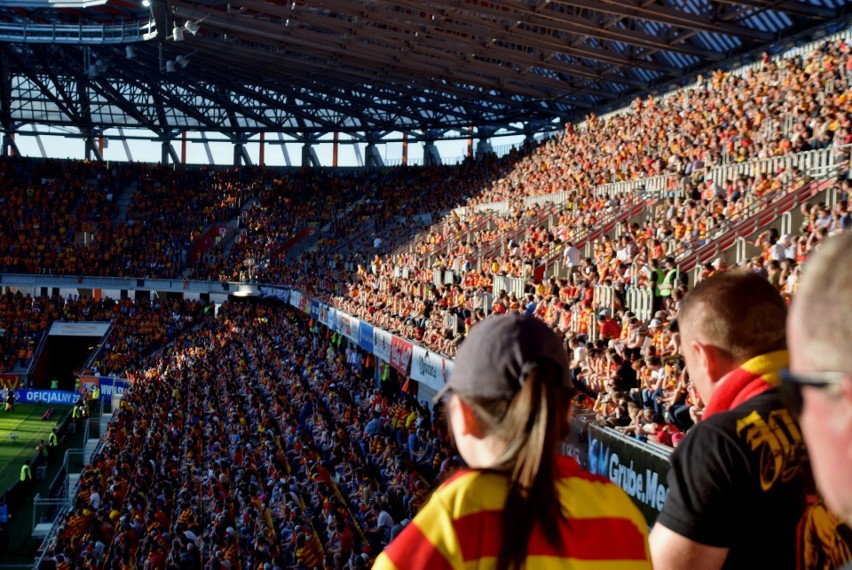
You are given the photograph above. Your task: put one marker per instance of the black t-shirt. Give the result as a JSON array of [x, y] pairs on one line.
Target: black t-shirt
[[625, 377], [740, 479]]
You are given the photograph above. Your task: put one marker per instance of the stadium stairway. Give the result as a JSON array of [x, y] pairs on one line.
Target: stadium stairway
[[89, 450], [585, 238], [311, 242], [497, 247], [21, 545], [760, 215], [124, 199]]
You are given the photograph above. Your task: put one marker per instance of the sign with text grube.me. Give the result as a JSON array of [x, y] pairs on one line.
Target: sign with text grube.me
[[430, 368], [634, 466]]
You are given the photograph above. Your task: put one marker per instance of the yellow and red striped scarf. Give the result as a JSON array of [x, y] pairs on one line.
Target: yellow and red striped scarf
[[751, 378]]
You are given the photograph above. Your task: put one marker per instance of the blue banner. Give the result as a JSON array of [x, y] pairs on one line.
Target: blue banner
[[365, 336], [315, 309], [106, 384], [52, 397], [282, 295], [110, 386]]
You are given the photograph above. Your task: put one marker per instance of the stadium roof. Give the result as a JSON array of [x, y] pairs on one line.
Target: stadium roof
[[366, 67]]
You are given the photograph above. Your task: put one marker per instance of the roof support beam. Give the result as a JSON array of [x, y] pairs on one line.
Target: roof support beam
[[5, 108], [793, 8], [669, 16], [86, 127], [62, 103]]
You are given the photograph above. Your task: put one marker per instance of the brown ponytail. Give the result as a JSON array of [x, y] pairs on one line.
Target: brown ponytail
[[532, 423]]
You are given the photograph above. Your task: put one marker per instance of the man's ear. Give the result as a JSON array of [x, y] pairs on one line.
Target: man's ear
[[714, 361]]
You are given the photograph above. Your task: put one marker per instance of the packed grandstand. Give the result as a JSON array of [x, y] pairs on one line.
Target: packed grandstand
[[257, 437]]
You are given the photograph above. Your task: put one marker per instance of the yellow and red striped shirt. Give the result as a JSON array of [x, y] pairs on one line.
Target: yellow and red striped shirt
[[460, 526]]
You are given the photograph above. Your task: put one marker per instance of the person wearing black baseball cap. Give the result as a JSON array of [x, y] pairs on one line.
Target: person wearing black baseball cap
[[517, 503]]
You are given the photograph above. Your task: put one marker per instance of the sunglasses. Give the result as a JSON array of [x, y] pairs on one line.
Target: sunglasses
[[792, 384]]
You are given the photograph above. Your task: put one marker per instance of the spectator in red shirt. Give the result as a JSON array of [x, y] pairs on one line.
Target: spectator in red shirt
[[608, 327]]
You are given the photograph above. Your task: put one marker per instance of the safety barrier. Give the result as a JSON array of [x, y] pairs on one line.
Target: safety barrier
[[45, 512], [604, 298], [511, 285], [640, 301], [812, 163], [656, 186], [639, 468], [77, 34]]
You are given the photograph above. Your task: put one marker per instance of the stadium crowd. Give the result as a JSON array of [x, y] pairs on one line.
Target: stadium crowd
[[726, 118], [137, 326], [70, 217], [265, 437], [285, 453]]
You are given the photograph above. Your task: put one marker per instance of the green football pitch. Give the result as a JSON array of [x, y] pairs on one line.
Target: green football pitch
[[20, 432]]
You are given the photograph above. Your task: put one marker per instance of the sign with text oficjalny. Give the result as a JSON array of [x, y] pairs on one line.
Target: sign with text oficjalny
[[51, 397]]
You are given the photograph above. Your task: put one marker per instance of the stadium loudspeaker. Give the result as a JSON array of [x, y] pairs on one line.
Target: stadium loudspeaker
[[191, 27]]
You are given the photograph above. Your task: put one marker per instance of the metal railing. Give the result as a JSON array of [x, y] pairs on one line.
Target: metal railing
[[812, 162], [656, 186], [603, 227], [604, 298], [640, 300], [73, 462], [524, 225], [92, 34], [511, 285], [760, 214]]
